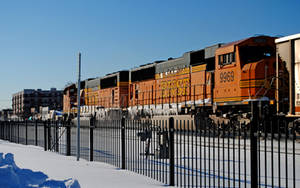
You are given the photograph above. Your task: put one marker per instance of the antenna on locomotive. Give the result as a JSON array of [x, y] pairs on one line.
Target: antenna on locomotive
[[78, 107]]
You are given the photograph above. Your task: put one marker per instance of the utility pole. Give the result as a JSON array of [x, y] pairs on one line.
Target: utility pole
[[78, 107]]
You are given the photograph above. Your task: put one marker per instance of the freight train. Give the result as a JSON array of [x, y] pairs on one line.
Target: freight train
[[221, 79]]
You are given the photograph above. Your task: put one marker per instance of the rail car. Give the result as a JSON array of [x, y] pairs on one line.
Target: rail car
[[166, 87], [110, 91], [106, 96], [91, 95], [142, 89], [288, 75], [69, 97]]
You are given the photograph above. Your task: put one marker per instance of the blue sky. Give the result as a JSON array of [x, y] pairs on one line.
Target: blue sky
[[40, 40]]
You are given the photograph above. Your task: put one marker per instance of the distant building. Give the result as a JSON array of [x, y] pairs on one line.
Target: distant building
[[28, 102], [6, 114]]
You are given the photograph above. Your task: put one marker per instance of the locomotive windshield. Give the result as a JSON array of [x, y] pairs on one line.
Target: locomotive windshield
[[255, 53]]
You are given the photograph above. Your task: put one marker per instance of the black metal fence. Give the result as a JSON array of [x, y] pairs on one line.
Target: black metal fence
[[176, 151]]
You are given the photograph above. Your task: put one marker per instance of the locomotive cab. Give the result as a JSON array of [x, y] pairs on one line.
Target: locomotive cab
[[245, 71], [258, 65]]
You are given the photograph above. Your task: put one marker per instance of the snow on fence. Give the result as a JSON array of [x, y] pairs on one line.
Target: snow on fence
[[184, 153]]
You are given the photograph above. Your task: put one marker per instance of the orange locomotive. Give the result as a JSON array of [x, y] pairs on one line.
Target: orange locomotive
[[245, 71], [70, 97], [221, 78], [110, 91]]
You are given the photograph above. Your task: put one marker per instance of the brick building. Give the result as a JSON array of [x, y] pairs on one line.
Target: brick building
[[29, 101]]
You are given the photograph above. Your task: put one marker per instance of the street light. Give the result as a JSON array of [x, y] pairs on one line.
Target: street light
[[78, 107]]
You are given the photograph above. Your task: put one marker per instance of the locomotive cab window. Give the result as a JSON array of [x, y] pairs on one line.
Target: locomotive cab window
[[250, 54], [226, 59]]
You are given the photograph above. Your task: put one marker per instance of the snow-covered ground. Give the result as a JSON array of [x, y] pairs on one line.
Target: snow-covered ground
[[14, 177], [62, 168], [197, 162]]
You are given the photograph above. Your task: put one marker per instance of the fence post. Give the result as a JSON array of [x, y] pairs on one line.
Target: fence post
[[26, 132], [18, 131], [56, 136], [36, 132], [253, 144], [171, 152], [1, 128], [45, 135], [6, 130], [92, 124], [1, 124], [123, 141], [3, 133], [10, 131], [68, 153], [49, 134]]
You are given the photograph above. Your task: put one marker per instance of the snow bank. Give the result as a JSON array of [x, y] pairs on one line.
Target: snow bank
[[14, 177], [88, 174]]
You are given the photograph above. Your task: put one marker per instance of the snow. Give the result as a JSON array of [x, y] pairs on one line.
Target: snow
[[13, 177], [48, 169], [197, 161]]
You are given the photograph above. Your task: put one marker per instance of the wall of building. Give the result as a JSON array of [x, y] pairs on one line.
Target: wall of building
[[29, 101]]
